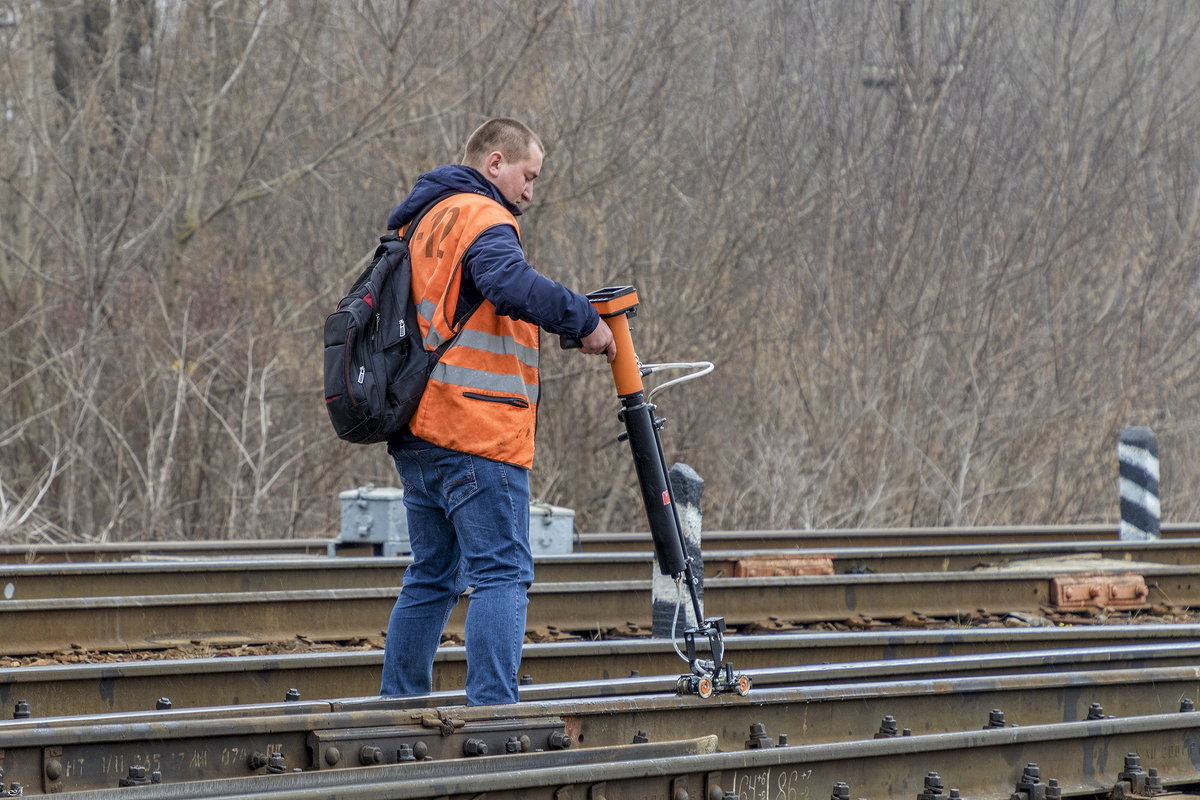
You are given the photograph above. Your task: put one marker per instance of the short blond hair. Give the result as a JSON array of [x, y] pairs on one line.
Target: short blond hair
[[511, 138]]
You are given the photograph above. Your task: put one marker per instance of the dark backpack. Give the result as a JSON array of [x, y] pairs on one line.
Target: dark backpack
[[376, 364]]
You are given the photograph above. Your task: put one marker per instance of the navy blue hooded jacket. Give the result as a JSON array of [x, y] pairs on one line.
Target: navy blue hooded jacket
[[494, 267]]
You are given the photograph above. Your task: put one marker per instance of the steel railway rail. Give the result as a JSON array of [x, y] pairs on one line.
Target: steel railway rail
[[1121, 758], [203, 575], [602, 542], [87, 552], [73, 689], [158, 621], [882, 537], [810, 705]]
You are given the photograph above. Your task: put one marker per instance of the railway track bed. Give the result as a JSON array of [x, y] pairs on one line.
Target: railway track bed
[[990, 663], [72, 689], [619, 607], [793, 709]]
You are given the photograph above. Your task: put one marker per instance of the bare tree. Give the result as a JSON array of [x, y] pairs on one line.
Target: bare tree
[[940, 252]]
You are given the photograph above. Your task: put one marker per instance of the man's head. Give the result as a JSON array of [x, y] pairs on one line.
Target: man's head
[[509, 155]]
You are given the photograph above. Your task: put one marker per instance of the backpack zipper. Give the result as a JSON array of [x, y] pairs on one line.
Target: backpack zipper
[[347, 353]]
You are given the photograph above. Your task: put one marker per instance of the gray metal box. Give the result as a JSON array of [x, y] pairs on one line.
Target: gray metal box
[[377, 516], [551, 529]]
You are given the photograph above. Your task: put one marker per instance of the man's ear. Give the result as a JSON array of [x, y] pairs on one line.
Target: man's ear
[[491, 166]]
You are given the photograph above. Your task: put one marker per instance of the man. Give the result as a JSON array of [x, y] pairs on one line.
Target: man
[[466, 457]]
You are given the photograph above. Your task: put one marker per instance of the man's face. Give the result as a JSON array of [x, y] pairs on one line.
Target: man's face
[[515, 179]]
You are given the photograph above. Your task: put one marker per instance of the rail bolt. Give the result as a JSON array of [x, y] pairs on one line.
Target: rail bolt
[[404, 754], [276, 763], [783, 740], [292, 696], [370, 755], [136, 777], [162, 704], [526, 680], [841, 791], [1031, 785], [558, 741], [1187, 704], [995, 719], [1095, 711], [887, 728], [333, 755], [256, 761], [758, 737], [420, 751], [512, 745], [1153, 782], [22, 710], [1133, 774], [934, 787], [641, 737], [1053, 790], [15, 789], [475, 747]]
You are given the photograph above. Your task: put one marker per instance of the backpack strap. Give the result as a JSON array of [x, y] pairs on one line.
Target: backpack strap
[[409, 231], [412, 225]]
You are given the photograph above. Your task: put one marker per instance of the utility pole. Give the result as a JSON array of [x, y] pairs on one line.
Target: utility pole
[[902, 77]]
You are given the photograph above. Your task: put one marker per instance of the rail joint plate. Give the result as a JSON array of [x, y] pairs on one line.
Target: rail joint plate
[[1125, 590]]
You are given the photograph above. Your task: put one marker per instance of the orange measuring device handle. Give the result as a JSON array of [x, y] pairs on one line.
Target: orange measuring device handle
[[616, 304]]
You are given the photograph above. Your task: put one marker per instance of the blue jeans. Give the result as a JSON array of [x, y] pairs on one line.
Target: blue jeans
[[468, 525]]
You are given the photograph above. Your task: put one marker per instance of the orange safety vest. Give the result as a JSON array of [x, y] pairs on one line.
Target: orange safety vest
[[482, 395]]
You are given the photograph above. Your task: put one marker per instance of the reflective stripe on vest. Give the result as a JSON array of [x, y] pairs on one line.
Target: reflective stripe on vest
[[487, 342], [426, 310], [468, 378]]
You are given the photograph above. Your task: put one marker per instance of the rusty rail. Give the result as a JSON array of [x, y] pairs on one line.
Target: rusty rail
[[882, 537], [156, 621], [1119, 758], [84, 552], [65, 690], [87, 552], [217, 575], [94, 753]]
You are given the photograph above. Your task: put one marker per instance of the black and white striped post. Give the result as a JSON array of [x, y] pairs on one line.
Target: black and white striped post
[[1137, 453], [686, 487]]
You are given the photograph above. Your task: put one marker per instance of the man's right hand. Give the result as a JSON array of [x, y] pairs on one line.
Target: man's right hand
[[600, 341]]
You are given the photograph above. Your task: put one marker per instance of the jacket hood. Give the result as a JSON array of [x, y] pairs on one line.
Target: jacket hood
[[448, 179]]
